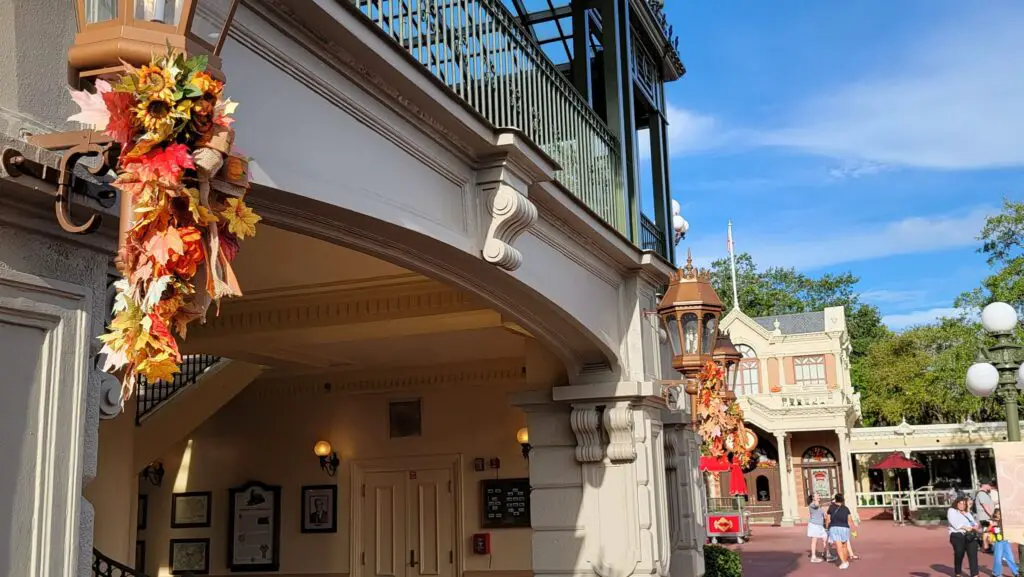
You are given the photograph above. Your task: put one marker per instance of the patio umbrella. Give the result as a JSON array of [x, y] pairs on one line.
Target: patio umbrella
[[897, 461]]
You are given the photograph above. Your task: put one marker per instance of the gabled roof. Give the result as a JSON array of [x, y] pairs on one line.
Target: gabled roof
[[795, 324]]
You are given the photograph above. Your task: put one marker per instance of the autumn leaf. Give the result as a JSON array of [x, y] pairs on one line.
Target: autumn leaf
[[240, 218], [159, 367], [201, 214], [156, 292], [161, 245]]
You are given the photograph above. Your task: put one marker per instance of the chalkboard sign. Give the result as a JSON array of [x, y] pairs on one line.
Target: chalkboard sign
[[506, 503]]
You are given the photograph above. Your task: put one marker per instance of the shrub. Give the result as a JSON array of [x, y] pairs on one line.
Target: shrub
[[721, 562]]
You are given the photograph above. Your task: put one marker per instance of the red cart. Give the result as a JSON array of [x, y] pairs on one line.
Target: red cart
[[727, 519]]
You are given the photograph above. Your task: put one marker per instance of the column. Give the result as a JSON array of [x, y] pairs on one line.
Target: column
[[974, 470], [846, 468], [659, 170], [581, 76], [600, 501], [786, 481], [687, 504]]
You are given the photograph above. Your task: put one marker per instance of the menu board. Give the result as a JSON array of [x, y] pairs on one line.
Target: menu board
[[506, 503]]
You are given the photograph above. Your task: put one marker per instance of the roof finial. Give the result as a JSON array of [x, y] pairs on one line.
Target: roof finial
[[689, 258]]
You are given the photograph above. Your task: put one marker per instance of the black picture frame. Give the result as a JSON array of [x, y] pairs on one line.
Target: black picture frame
[[405, 418], [142, 513], [191, 569], [505, 503], [140, 556], [204, 522], [255, 494], [309, 495]]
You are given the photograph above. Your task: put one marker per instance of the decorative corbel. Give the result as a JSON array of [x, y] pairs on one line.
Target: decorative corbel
[[586, 425], [618, 421], [510, 214]]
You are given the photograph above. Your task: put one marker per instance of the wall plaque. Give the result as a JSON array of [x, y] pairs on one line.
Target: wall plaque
[[506, 503]]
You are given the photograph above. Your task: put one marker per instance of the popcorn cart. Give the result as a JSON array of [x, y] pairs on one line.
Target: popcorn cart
[[727, 519]]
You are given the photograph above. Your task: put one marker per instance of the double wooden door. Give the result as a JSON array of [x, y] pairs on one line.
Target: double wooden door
[[822, 480], [407, 524]]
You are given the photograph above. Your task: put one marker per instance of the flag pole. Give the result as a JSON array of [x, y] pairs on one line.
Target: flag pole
[[732, 263]]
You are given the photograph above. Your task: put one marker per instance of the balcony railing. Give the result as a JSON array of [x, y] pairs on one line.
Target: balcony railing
[[150, 396], [103, 566], [652, 237], [479, 50]]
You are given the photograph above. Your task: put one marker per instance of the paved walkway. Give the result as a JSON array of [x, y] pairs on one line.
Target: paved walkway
[[885, 550]]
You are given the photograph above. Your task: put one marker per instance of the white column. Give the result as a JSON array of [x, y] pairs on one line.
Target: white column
[[974, 470], [846, 468], [600, 497], [786, 481], [687, 503]]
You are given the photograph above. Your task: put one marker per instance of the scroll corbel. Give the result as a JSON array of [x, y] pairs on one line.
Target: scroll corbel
[[511, 214]]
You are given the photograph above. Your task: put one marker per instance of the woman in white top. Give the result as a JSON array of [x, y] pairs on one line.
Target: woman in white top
[[963, 536]]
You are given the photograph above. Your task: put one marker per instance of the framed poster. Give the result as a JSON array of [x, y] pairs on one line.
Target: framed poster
[[142, 513], [254, 527], [1009, 456], [190, 556], [189, 510], [320, 509]]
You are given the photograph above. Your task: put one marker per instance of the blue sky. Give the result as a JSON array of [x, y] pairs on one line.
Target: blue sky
[[870, 136]]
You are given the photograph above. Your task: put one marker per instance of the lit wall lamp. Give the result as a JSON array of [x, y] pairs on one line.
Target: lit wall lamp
[[328, 459], [523, 438], [154, 473]]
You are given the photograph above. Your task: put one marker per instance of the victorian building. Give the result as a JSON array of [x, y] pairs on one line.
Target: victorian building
[[445, 361], [793, 384]]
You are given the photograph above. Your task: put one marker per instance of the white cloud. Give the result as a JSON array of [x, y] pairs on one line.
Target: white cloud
[[953, 100], [855, 170], [903, 321], [892, 297], [823, 244], [688, 131]]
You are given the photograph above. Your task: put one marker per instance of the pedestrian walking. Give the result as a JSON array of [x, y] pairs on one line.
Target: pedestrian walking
[[963, 536], [816, 528], [840, 525], [1001, 549]]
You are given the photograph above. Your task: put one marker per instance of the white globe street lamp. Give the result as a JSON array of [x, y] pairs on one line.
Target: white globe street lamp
[[982, 379], [998, 318]]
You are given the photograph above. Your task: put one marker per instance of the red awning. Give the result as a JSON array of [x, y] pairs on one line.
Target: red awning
[[897, 461], [714, 464]]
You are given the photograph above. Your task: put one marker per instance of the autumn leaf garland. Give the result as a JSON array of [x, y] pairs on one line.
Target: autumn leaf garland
[[718, 420], [183, 236]]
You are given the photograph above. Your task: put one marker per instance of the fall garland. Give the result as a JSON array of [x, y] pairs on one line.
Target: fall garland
[[717, 420], [187, 185]]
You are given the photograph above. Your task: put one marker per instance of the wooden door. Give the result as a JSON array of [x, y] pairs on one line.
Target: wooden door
[[384, 525], [407, 522], [764, 490], [431, 530]]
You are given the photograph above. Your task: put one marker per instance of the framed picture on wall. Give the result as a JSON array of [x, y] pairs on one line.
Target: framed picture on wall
[[142, 512], [320, 509], [189, 556], [140, 556], [254, 527], [190, 510]]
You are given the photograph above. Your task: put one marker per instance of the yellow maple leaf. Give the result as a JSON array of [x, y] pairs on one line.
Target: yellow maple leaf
[[159, 367], [201, 214], [241, 219]]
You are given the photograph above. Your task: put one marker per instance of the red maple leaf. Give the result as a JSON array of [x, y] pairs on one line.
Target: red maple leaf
[[163, 244], [166, 164], [122, 124]]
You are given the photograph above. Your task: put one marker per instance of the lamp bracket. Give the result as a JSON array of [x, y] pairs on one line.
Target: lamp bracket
[[76, 145]]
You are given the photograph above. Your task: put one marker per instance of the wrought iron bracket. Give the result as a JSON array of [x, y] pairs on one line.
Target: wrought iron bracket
[[76, 146]]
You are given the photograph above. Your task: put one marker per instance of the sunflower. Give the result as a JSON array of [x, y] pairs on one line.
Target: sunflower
[[156, 83], [155, 114]]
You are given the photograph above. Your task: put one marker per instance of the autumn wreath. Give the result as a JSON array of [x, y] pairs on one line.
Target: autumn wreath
[[719, 423], [186, 185]]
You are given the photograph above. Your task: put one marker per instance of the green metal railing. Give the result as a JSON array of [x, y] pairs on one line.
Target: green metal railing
[[480, 51]]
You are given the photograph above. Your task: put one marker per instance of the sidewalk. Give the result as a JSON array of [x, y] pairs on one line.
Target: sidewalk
[[885, 550]]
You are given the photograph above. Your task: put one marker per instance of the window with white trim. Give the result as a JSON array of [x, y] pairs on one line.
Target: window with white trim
[[748, 372], [810, 370]]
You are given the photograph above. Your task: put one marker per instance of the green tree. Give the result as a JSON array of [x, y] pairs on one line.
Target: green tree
[[1003, 244]]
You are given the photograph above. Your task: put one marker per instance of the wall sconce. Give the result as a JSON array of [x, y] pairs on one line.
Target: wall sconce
[[154, 473], [523, 438], [328, 459]]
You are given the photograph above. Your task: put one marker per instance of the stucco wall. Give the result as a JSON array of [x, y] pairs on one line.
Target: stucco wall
[[270, 439]]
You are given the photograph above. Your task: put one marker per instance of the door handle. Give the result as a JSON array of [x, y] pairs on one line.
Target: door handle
[[412, 558]]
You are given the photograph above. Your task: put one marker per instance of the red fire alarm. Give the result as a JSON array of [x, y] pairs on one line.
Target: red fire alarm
[[482, 544]]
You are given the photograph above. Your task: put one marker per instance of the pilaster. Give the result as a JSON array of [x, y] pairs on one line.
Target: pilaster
[[846, 462], [787, 481], [686, 496]]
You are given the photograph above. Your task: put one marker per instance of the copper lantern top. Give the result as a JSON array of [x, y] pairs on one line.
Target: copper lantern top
[[112, 31], [690, 311]]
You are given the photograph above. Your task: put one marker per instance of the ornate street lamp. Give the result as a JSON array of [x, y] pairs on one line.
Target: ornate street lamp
[[726, 355], [110, 31], [690, 311], [999, 368]]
